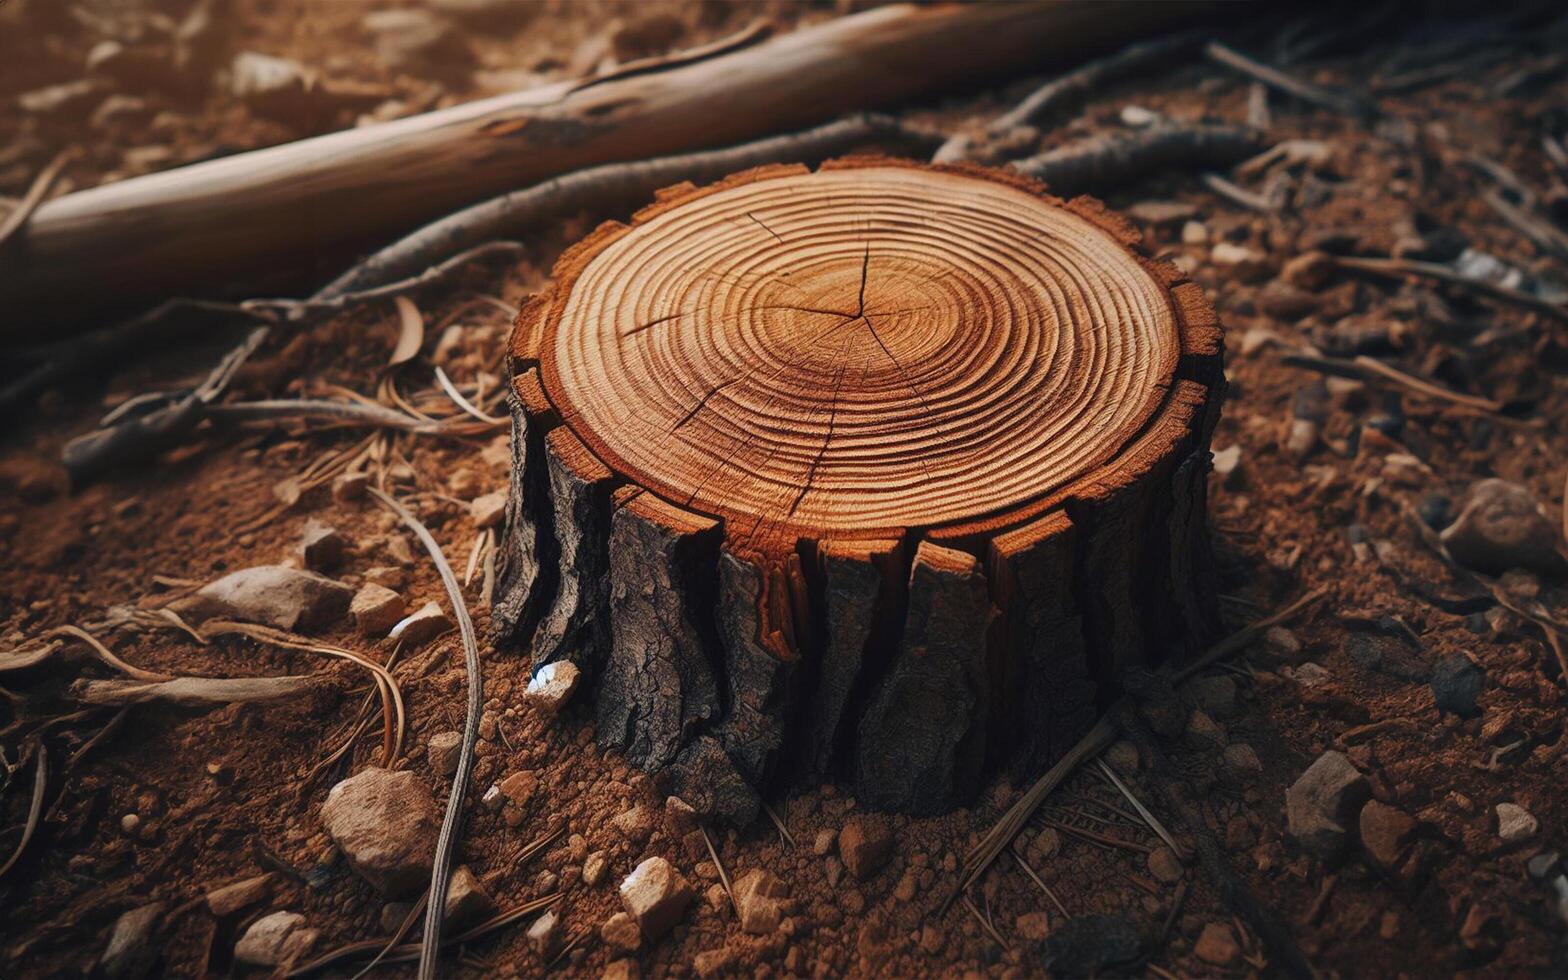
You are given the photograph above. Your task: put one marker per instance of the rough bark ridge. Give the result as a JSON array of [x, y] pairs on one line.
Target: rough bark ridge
[[882, 472]]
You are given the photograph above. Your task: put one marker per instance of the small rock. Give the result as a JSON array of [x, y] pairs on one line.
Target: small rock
[[1302, 438], [1194, 233], [350, 486], [1241, 758], [864, 845], [1283, 301], [466, 899], [321, 546], [680, 818], [385, 575], [761, 897], [277, 88], [1227, 465], [1502, 527], [131, 951], [1246, 264], [417, 40], [656, 896], [1515, 823], [545, 933], [1164, 865], [376, 609], [712, 963], [275, 940], [622, 969], [1138, 117], [594, 869], [229, 899], [1033, 926], [422, 626], [1309, 270], [274, 595], [1456, 685], [492, 798], [1323, 802], [130, 824], [1217, 945], [636, 824], [1091, 944], [1123, 756], [620, 932], [488, 510], [1283, 640], [822, 844], [553, 685], [443, 750], [1483, 930], [386, 824], [518, 788], [1386, 834]]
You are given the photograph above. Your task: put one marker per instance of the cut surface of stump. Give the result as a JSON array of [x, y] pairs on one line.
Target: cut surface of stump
[[882, 471]]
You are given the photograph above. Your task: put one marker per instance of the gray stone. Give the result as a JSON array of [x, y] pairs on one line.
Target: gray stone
[[1456, 685], [1322, 805], [386, 824], [275, 940], [273, 595], [1501, 527], [130, 951], [544, 933]]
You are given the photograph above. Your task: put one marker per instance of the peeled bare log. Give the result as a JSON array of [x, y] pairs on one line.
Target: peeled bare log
[[883, 471], [271, 213], [194, 691]]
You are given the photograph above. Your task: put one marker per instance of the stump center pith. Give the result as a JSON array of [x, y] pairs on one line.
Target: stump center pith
[[859, 351]]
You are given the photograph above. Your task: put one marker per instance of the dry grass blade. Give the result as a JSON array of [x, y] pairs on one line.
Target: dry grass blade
[[1034, 876], [409, 951], [724, 877], [34, 809], [394, 715], [193, 691], [17, 219], [1143, 811], [103, 653], [411, 332], [1245, 635], [985, 923], [447, 841], [778, 824], [1004, 830], [463, 403], [414, 913]]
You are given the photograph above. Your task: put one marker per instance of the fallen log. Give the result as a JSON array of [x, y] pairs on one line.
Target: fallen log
[[883, 470], [262, 219]]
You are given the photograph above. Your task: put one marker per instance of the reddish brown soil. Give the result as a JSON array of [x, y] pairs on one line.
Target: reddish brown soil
[[224, 794]]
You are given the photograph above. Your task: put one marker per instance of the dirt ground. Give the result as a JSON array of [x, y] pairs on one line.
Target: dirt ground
[[1327, 483]]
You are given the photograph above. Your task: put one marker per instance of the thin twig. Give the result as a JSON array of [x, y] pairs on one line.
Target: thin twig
[[1144, 812], [34, 809], [1341, 102], [779, 824], [724, 877], [1023, 862], [17, 219], [1245, 635], [447, 841], [1400, 268]]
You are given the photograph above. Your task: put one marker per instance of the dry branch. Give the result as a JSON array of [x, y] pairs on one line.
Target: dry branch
[[1099, 162], [1324, 98], [1400, 268], [1066, 94], [194, 691], [232, 220]]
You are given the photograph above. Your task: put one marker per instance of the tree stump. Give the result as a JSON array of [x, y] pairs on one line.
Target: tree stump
[[880, 472]]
